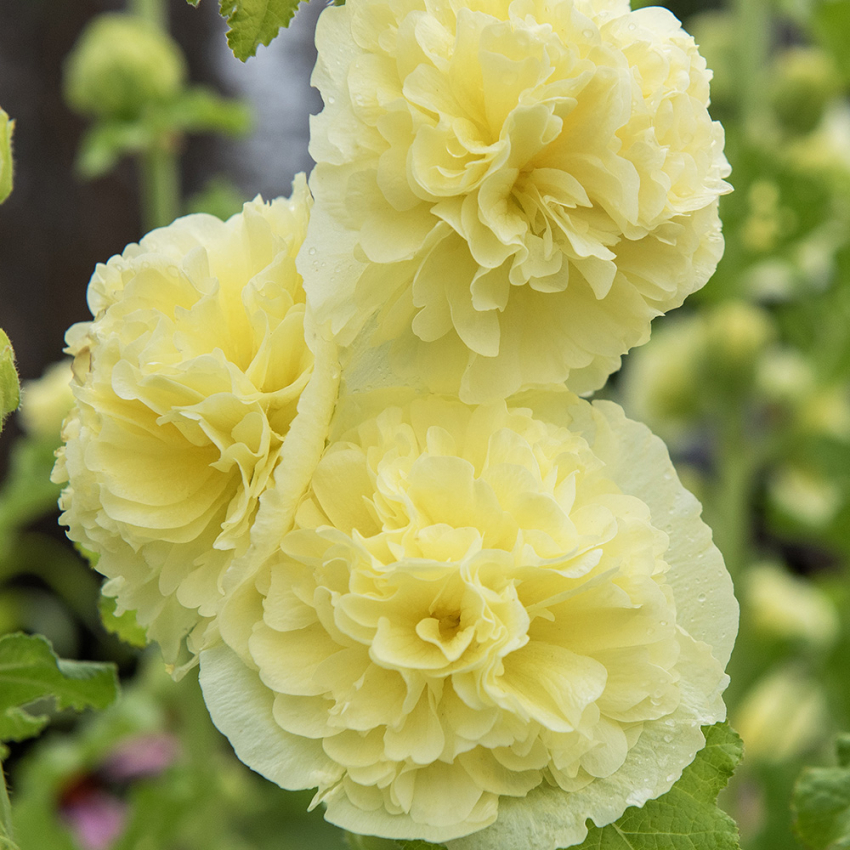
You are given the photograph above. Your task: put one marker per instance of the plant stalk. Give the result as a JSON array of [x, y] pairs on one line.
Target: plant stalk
[[159, 165], [6, 840], [753, 49], [154, 11], [160, 182]]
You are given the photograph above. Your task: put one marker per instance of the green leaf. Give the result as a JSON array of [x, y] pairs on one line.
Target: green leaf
[[30, 670], [108, 141], [123, 625], [371, 842], [7, 126], [10, 390], [27, 491], [6, 842], [821, 803], [18, 725], [255, 22], [687, 816], [200, 110], [831, 24], [197, 110]]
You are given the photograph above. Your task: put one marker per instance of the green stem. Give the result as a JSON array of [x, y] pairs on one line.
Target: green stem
[[151, 10], [5, 815], [159, 166], [738, 462], [371, 842], [160, 184], [753, 48]]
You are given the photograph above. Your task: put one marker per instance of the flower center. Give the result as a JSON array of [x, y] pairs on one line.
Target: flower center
[[449, 624]]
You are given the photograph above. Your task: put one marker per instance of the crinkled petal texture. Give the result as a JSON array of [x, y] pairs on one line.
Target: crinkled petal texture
[[191, 382], [487, 625], [515, 187]]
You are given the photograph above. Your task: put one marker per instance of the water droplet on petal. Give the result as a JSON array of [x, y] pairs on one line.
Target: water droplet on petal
[[312, 252], [701, 597]]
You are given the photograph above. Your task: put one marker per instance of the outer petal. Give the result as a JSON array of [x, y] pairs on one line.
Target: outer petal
[[241, 707]]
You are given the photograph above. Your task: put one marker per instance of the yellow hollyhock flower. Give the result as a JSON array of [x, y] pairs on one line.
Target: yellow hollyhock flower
[[200, 406], [514, 188], [487, 625]]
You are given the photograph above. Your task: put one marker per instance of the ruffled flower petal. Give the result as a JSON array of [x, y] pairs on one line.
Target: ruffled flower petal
[[198, 396], [514, 190], [494, 621]]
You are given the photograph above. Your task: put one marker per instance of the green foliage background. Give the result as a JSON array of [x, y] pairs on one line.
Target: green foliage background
[[749, 384]]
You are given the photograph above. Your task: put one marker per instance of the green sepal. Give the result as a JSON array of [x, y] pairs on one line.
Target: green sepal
[[123, 625]]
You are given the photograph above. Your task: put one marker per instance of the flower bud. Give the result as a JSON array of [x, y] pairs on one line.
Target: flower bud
[[805, 495], [120, 64], [9, 388], [784, 376], [694, 362], [659, 383], [827, 413], [788, 607], [736, 333], [781, 717], [804, 81], [6, 128], [47, 401]]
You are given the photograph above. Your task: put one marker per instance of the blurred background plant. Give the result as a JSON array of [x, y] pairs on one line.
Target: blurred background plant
[[749, 384]]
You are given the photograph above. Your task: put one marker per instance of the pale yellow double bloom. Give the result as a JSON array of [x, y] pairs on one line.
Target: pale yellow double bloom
[[419, 573]]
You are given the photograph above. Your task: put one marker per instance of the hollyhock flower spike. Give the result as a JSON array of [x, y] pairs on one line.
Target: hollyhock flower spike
[[488, 624], [202, 405], [508, 191]]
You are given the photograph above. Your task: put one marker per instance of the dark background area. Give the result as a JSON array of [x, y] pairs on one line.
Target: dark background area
[[55, 227]]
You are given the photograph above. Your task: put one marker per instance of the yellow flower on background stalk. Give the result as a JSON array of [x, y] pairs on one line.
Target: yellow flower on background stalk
[[507, 193], [200, 406], [487, 625], [47, 401]]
